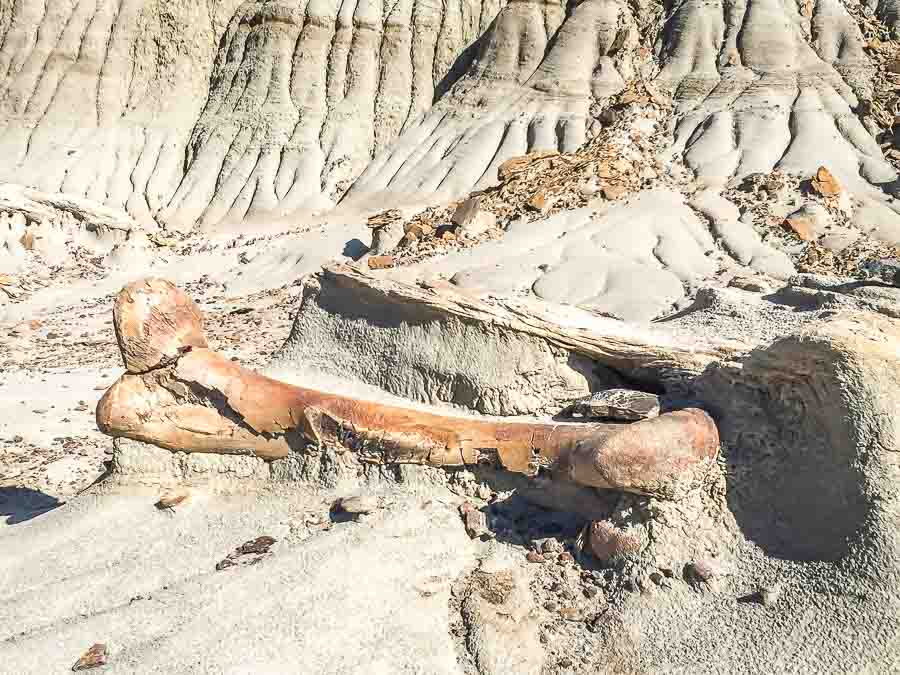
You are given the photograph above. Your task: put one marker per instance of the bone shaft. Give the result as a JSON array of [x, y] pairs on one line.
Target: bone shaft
[[242, 410]]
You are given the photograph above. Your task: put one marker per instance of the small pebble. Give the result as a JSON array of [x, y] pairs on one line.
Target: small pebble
[[551, 545], [570, 614], [770, 595], [358, 505]]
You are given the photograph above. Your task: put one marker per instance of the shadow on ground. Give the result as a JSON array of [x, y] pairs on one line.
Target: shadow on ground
[[18, 505]]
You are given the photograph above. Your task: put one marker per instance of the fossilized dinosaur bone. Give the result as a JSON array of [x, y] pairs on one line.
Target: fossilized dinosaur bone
[[180, 395]]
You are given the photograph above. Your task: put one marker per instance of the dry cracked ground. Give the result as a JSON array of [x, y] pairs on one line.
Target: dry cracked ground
[[497, 337]]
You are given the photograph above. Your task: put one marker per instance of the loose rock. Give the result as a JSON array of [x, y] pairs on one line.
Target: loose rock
[[475, 521], [752, 284], [381, 262], [608, 542], [93, 658], [825, 183], [702, 571], [770, 595], [171, 499], [357, 505], [472, 219], [248, 553], [571, 613], [535, 557], [619, 404]]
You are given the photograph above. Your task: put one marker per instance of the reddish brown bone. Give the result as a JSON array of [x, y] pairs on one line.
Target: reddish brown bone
[[154, 321], [204, 402]]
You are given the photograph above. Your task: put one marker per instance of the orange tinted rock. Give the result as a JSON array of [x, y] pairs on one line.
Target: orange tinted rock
[[540, 202], [613, 192], [415, 231], [514, 165], [27, 240], [381, 262], [825, 183], [800, 226]]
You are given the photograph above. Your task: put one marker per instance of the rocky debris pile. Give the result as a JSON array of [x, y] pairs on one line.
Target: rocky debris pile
[[620, 160], [851, 261], [879, 104], [879, 107], [808, 217], [623, 158], [469, 220]]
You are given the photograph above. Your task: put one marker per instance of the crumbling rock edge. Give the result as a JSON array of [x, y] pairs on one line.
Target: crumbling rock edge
[[500, 356]]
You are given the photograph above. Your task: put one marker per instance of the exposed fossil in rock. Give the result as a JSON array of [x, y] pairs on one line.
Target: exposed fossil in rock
[[182, 396]]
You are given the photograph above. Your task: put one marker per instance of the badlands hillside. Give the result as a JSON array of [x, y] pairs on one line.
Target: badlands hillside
[[463, 337]]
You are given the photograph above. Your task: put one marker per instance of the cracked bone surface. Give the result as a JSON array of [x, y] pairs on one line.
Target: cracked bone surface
[[201, 401]]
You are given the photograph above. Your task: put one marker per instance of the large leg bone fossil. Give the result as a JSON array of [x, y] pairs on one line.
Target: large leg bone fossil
[[180, 395]]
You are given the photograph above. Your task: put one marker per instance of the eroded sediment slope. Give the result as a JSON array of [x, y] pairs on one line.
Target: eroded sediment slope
[[236, 111], [212, 110]]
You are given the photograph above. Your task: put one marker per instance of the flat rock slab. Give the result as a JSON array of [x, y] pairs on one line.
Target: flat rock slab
[[626, 405]]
